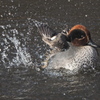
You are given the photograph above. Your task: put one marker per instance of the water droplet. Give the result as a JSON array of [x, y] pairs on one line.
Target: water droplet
[[9, 13], [86, 15], [41, 56], [68, 0], [3, 34], [64, 94], [1, 15], [12, 1], [2, 26], [59, 7]]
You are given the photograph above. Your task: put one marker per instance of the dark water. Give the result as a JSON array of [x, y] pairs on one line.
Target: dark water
[[21, 49]]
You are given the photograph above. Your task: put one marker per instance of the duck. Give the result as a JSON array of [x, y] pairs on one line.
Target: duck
[[71, 49]]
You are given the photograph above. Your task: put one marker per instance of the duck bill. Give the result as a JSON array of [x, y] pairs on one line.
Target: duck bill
[[91, 43]]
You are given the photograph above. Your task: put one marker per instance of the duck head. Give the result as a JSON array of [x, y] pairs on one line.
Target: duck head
[[79, 35]]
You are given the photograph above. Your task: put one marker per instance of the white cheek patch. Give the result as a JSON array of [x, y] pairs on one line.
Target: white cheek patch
[[65, 32], [54, 37]]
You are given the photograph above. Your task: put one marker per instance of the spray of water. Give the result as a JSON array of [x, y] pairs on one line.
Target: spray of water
[[13, 52]]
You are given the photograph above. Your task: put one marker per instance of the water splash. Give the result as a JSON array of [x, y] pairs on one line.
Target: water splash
[[13, 51], [22, 56], [21, 45]]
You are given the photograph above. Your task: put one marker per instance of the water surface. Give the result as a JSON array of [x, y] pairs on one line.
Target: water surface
[[21, 49]]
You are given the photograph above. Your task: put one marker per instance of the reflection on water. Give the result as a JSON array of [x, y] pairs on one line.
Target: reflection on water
[[21, 50], [28, 84]]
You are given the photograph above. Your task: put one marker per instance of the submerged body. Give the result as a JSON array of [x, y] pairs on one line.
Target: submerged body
[[75, 58]]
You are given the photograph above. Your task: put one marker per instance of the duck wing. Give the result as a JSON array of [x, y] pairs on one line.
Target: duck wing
[[50, 37], [45, 30]]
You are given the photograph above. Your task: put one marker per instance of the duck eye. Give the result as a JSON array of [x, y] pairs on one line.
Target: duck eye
[[82, 36]]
